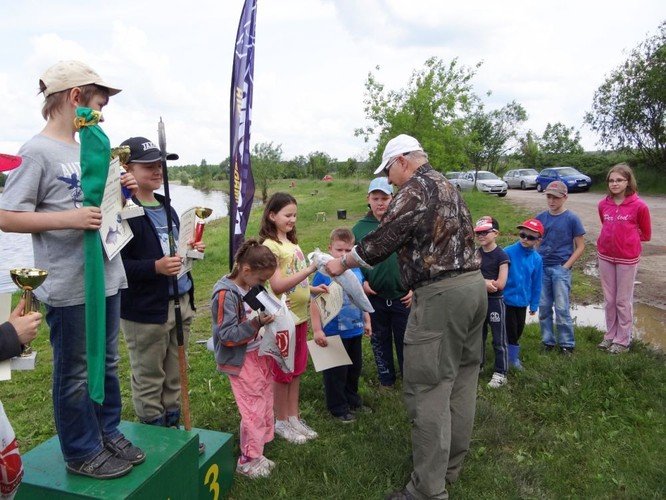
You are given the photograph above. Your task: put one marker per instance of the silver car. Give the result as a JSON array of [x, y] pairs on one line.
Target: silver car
[[460, 181], [523, 178], [486, 182]]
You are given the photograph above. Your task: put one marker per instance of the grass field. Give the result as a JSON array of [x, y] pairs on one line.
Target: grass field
[[589, 426]]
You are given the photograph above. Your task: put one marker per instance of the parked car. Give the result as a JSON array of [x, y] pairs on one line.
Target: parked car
[[487, 182], [574, 180], [523, 178], [459, 180]]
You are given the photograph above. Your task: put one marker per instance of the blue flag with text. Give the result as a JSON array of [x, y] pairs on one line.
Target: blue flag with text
[[241, 180]]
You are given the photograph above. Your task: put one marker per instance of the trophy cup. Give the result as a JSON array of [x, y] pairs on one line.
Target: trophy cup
[[202, 214], [131, 209], [27, 279]]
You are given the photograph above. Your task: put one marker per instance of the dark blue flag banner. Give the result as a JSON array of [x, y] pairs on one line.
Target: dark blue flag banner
[[240, 178]]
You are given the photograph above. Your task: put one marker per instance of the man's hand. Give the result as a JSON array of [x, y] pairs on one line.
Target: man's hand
[[368, 289], [199, 246], [334, 267], [168, 266], [25, 326]]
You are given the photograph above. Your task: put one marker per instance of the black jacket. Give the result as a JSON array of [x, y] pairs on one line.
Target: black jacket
[[146, 300], [9, 342]]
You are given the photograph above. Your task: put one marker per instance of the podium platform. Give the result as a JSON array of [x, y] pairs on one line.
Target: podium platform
[[173, 468]]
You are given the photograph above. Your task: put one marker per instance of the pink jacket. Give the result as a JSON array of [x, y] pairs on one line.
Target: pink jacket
[[623, 227]]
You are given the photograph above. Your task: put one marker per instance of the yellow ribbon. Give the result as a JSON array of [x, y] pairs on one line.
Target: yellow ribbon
[[95, 118]]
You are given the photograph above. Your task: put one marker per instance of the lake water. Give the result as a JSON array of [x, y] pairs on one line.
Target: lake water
[[16, 249]]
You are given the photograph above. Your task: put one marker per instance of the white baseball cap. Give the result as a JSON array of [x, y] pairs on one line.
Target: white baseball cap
[[66, 75], [398, 146]]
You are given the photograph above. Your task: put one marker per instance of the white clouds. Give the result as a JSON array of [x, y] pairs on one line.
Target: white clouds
[[173, 59]]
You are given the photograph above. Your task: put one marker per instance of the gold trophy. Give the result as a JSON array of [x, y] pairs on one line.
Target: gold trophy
[[27, 279], [131, 209], [202, 214]]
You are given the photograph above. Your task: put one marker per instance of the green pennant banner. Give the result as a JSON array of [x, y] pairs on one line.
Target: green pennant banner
[[95, 157]]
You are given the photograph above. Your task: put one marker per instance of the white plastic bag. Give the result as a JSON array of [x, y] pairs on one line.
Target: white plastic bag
[[279, 339], [11, 466]]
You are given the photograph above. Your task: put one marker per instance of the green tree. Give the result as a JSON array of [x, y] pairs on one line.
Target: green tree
[[319, 164], [348, 168], [431, 108], [296, 168], [266, 165], [530, 152], [560, 139], [629, 108], [184, 178], [492, 135]]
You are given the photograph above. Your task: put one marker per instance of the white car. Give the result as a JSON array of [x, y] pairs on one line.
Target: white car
[[487, 182], [523, 178]]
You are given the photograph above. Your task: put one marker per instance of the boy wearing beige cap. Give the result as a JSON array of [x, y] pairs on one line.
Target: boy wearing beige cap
[[561, 246], [45, 198]]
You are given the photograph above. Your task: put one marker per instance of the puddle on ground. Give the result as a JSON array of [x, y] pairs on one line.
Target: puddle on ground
[[649, 321]]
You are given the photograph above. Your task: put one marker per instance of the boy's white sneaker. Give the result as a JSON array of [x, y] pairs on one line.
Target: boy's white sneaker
[[269, 463], [302, 428], [497, 381], [286, 431], [254, 469]]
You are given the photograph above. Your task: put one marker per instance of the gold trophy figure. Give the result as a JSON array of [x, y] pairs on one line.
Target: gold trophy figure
[[28, 279], [131, 209], [202, 214]]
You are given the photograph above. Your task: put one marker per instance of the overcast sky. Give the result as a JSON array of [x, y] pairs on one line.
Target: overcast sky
[[173, 59]]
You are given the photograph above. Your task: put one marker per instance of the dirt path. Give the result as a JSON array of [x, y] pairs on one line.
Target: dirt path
[[652, 268]]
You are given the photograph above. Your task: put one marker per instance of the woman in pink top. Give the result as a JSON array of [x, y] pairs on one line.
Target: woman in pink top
[[625, 223]]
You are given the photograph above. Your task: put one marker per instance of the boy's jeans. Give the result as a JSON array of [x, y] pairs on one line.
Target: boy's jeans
[[388, 327], [82, 424], [556, 287]]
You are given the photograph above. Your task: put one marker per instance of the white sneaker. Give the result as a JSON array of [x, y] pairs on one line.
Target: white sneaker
[[302, 428], [253, 469], [497, 381], [286, 431], [269, 463]]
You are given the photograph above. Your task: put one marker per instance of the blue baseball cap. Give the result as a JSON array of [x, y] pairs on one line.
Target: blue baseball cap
[[380, 184]]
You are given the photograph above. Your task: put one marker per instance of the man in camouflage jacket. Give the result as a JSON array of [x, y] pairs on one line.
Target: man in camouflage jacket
[[429, 225]]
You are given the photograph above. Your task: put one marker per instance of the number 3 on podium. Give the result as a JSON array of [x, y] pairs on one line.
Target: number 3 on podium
[[212, 475]]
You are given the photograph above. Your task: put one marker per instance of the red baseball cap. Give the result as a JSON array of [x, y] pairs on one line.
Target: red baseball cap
[[9, 162], [533, 225]]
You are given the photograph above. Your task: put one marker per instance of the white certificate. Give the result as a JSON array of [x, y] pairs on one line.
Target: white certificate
[[334, 354], [115, 232], [188, 222]]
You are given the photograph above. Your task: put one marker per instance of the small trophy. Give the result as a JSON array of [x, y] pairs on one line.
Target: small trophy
[[202, 214], [27, 279], [131, 209]]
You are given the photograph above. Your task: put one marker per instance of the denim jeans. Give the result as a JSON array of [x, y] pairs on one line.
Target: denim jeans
[[388, 327], [555, 290], [81, 423]]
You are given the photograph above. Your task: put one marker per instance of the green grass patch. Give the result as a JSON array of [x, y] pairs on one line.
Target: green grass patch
[[588, 426]]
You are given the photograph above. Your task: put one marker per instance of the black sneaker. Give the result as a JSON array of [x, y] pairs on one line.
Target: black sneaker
[[102, 466], [547, 347], [347, 418], [122, 448], [566, 351]]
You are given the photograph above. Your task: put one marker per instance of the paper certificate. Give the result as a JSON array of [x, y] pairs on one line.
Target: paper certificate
[[115, 232], [188, 222], [334, 354], [329, 304]]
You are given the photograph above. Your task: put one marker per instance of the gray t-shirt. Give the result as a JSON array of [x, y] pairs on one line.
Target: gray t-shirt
[[49, 180]]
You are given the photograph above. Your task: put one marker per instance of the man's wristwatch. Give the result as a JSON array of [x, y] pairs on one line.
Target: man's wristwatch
[[343, 261]]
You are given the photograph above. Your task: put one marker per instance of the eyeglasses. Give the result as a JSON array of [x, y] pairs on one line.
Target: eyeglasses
[[528, 237], [484, 233], [616, 181], [389, 165]]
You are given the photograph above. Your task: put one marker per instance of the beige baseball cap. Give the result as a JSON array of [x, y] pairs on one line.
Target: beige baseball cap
[[66, 75]]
